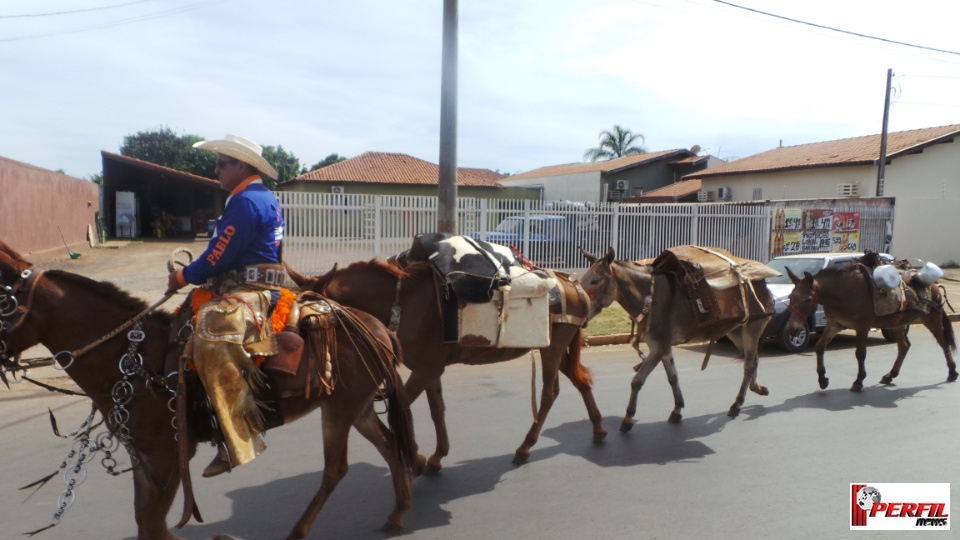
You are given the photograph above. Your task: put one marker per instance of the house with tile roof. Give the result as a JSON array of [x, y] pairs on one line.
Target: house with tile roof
[[683, 191], [921, 172], [614, 180], [384, 173]]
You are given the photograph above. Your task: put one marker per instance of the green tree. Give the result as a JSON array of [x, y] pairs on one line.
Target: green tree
[[286, 164], [614, 143], [164, 147], [329, 160]]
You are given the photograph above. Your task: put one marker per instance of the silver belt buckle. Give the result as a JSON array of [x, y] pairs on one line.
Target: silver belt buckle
[[252, 275], [270, 277]]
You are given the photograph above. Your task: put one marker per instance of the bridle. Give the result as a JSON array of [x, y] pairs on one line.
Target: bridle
[[602, 283], [804, 316], [10, 308]]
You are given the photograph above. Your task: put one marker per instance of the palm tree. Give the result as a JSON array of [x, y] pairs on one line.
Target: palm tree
[[614, 143]]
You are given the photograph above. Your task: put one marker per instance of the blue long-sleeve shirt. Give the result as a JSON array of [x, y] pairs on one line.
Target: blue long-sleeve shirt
[[249, 232]]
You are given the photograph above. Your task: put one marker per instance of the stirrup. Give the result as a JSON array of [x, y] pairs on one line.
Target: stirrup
[[218, 466]]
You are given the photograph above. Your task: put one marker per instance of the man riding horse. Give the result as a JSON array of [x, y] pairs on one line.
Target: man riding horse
[[241, 267]]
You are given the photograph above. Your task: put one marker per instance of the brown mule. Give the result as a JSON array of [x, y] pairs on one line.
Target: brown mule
[[671, 322], [53, 308], [848, 302], [381, 290]]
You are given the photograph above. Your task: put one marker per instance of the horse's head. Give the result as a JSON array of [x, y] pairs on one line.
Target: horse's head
[[803, 300], [17, 280], [599, 281]]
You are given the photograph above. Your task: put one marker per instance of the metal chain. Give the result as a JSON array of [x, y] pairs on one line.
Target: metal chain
[[72, 469]]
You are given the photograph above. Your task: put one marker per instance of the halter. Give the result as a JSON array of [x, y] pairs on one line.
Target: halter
[[9, 307], [603, 283]]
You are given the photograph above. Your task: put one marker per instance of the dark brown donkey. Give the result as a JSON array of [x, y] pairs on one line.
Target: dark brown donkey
[[54, 308], [848, 302], [379, 288], [670, 321]]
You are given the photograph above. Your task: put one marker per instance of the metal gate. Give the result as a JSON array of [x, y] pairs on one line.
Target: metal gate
[[324, 229]]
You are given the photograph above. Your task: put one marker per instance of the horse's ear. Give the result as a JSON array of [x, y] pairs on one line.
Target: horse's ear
[[808, 277], [608, 258], [297, 277], [590, 256], [793, 277]]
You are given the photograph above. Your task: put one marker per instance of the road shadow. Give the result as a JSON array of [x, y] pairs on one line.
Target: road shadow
[[841, 399]]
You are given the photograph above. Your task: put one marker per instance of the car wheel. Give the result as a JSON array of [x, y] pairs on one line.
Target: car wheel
[[794, 343], [889, 335]]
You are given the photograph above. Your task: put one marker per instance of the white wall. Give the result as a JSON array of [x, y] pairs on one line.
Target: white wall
[[581, 187], [932, 174], [805, 184], [924, 229]]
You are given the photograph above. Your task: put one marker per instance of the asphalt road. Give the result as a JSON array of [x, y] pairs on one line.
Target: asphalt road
[[780, 470]]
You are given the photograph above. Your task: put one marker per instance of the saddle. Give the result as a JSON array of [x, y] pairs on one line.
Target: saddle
[[718, 285], [909, 294], [484, 286]]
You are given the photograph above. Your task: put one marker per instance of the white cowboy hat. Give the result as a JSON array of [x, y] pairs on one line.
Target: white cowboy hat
[[245, 150]]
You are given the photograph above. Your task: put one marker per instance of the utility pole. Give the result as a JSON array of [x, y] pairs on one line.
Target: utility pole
[[447, 188], [883, 136]]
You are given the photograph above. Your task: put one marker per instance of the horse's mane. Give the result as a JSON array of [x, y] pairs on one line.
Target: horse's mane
[[103, 289]]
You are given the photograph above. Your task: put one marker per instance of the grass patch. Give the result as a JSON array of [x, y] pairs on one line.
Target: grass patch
[[612, 320]]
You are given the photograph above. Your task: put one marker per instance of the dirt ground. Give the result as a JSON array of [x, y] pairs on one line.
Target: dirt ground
[[138, 267]]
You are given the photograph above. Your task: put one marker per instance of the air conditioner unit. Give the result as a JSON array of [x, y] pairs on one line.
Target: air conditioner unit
[[848, 190], [336, 189], [723, 193], [623, 185], [704, 196]]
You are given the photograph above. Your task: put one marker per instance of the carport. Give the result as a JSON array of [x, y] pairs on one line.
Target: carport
[[189, 200]]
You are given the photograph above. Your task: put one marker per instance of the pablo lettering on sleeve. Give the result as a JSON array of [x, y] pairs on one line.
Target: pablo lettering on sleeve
[[222, 241]]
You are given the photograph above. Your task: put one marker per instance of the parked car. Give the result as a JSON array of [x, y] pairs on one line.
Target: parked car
[[781, 287], [552, 238]]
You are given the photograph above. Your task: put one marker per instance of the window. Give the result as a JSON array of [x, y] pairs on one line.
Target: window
[[757, 194]]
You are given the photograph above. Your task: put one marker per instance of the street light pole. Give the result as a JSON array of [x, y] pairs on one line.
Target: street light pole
[[883, 136], [447, 188]]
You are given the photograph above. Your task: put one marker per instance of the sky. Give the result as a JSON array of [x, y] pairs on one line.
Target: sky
[[537, 80]]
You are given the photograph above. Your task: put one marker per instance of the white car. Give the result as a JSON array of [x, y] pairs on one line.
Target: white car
[[781, 287]]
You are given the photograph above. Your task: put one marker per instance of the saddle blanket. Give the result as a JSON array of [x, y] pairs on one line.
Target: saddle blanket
[[717, 284], [501, 303]]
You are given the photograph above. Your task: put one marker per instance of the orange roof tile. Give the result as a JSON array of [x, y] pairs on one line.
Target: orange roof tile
[[677, 189], [841, 152], [387, 168], [612, 165]]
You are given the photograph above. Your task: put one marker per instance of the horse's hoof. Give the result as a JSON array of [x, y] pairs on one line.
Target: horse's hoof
[[391, 527], [599, 436], [675, 418], [886, 379], [733, 412], [824, 383], [857, 387], [520, 459], [626, 426], [952, 377], [433, 467], [762, 391]]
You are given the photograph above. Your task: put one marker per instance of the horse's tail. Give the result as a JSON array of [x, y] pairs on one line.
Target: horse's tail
[[399, 417], [579, 375]]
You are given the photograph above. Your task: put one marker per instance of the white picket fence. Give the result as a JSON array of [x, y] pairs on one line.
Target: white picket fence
[[324, 229]]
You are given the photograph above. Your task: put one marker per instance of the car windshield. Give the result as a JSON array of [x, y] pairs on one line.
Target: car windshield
[[797, 265], [511, 226]]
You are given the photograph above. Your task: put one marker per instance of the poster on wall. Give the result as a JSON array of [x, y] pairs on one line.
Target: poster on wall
[[845, 232], [792, 242], [815, 219], [792, 218]]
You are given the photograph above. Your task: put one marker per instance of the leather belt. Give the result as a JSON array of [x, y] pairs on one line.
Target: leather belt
[[268, 276]]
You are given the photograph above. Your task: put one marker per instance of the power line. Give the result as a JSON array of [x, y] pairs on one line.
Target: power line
[[117, 22], [72, 11], [836, 29]]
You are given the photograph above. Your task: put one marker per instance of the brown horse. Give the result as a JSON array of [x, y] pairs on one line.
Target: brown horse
[[847, 299], [671, 322], [381, 289], [54, 308]]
